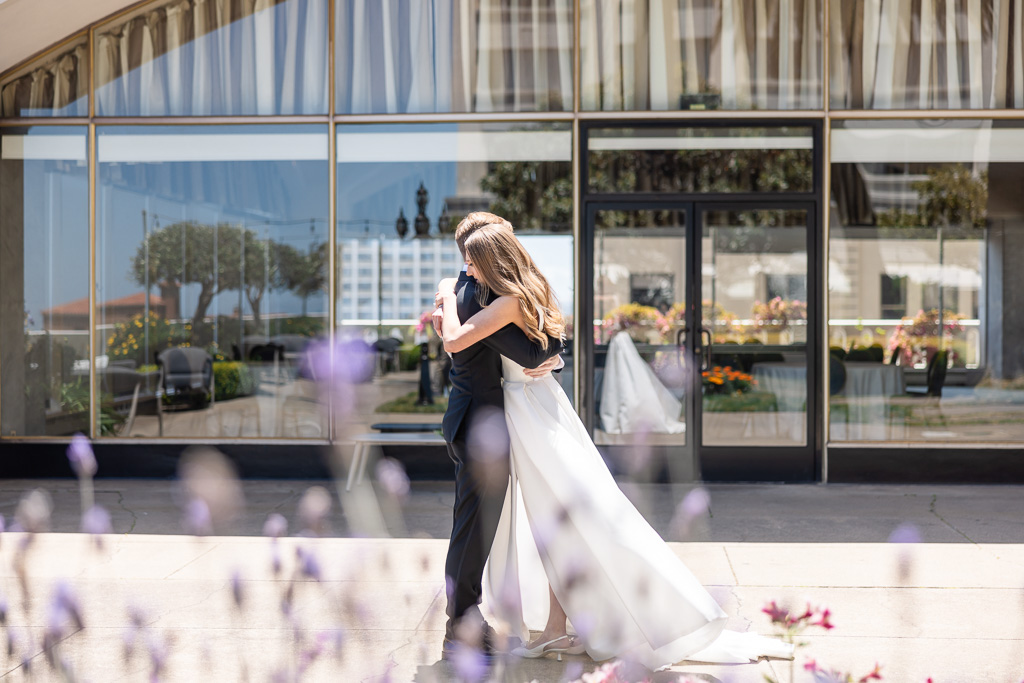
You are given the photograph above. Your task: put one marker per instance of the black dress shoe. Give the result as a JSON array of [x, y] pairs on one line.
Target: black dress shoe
[[450, 647]]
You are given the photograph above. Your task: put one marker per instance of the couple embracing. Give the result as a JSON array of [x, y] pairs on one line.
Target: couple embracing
[[540, 526]]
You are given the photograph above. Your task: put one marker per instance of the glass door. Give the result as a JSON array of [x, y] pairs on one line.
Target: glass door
[[703, 339]]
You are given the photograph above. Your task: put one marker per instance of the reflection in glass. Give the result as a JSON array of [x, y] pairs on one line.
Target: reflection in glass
[[700, 160], [754, 307], [640, 371], [954, 54], [923, 248], [212, 276], [214, 57], [44, 269], [55, 85], [454, 56], [402, 190], [700, 54]]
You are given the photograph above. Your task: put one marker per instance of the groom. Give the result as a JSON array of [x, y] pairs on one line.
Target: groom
[[478, 442]]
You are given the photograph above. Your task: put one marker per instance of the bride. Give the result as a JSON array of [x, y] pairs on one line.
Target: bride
[[586, 556]]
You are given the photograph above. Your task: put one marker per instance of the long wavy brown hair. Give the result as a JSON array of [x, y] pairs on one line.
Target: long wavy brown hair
[[504, 267]]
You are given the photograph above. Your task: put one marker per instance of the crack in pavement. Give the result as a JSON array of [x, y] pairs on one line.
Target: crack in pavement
[[931, 509], [135, 517]]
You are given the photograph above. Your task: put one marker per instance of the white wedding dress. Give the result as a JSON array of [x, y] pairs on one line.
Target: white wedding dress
[[567, 523]]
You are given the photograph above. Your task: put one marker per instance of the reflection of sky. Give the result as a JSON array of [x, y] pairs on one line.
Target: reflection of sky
[[279, 200], [370, 196], [56, 234]]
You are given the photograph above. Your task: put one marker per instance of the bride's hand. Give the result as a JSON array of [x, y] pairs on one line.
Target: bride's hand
[[446, 287]]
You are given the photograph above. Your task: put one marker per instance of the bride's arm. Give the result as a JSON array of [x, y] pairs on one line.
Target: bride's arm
[[456, 336]]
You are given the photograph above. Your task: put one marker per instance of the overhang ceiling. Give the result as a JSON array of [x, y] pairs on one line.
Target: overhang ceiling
[[28, 27]]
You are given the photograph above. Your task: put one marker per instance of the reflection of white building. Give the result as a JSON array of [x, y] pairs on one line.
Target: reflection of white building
[[391, 281]]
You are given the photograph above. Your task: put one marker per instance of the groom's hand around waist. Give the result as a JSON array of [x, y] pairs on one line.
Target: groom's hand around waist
[[547, 367]]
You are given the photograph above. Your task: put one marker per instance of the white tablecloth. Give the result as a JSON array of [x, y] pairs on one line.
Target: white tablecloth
[[873, 379], [788, 381]]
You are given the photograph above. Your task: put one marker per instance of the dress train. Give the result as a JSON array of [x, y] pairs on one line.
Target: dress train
[[566, 523]]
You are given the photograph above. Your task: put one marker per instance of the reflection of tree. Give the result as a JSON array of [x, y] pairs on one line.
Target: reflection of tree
[[532, 195], [952, 195], [691, 171], [304, 274], [224, 257]]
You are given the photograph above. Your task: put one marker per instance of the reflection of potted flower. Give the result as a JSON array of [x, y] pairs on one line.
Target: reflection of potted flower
[[916, 340], [778, 313], [726, 380], [641, 323], [727, 390]]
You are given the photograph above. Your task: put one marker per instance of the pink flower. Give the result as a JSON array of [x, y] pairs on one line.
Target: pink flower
[[778, 615], [823, 621], [874, 675]]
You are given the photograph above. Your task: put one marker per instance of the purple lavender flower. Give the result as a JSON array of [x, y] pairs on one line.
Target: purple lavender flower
[[275, 526], [905, 533], [314, 507], [96, 521], [80, 454], [392, 477], [197, 518], [33, 512], [309, 566], [237, 591], [469, 663], [209, 476]]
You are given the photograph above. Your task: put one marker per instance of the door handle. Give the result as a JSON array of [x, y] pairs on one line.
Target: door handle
[[705, 349], [680, 344]]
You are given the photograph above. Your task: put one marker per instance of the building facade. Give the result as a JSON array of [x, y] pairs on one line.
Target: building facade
[[788, 228]]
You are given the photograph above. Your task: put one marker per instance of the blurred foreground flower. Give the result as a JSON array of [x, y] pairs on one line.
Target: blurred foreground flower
[[792, 624], [392, 477], [906, 535], [213, 495], [314, 507]]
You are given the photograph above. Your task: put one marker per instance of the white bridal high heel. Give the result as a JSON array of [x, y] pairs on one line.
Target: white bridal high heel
[[543, 649]]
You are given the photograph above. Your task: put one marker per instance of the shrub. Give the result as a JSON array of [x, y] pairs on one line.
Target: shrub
[[232, 379]]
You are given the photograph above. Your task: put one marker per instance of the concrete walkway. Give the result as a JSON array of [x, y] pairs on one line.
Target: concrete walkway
[[950, 608]]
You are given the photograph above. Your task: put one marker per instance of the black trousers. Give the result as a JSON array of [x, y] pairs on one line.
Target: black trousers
[[475, 521]]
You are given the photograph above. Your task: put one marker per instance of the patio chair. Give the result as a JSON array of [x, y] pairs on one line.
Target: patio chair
[[185, 372]]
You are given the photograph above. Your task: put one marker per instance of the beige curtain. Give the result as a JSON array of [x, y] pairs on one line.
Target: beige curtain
[[58, 85], [927, 54], [411, 56], [215, 57], [691, 54]]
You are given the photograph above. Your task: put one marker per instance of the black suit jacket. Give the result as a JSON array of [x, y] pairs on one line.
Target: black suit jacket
[[476, 371]]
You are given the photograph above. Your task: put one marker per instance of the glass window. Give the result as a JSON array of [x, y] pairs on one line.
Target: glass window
[[923, 319], [453, 56], [956, 54], [44, 270], [700, 54], [56, 85], [700, 159], [211, 274], [396, 185], [214, 57]]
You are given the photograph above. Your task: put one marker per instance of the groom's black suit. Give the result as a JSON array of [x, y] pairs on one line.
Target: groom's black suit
[[476, 393]]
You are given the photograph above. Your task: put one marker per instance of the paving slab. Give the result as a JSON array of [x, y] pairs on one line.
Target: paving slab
[[950, 607]]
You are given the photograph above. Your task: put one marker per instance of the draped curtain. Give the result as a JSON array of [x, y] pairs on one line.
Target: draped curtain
[[683, 54], [413, 56], [927, 54], [215, 57], [57, 86]]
